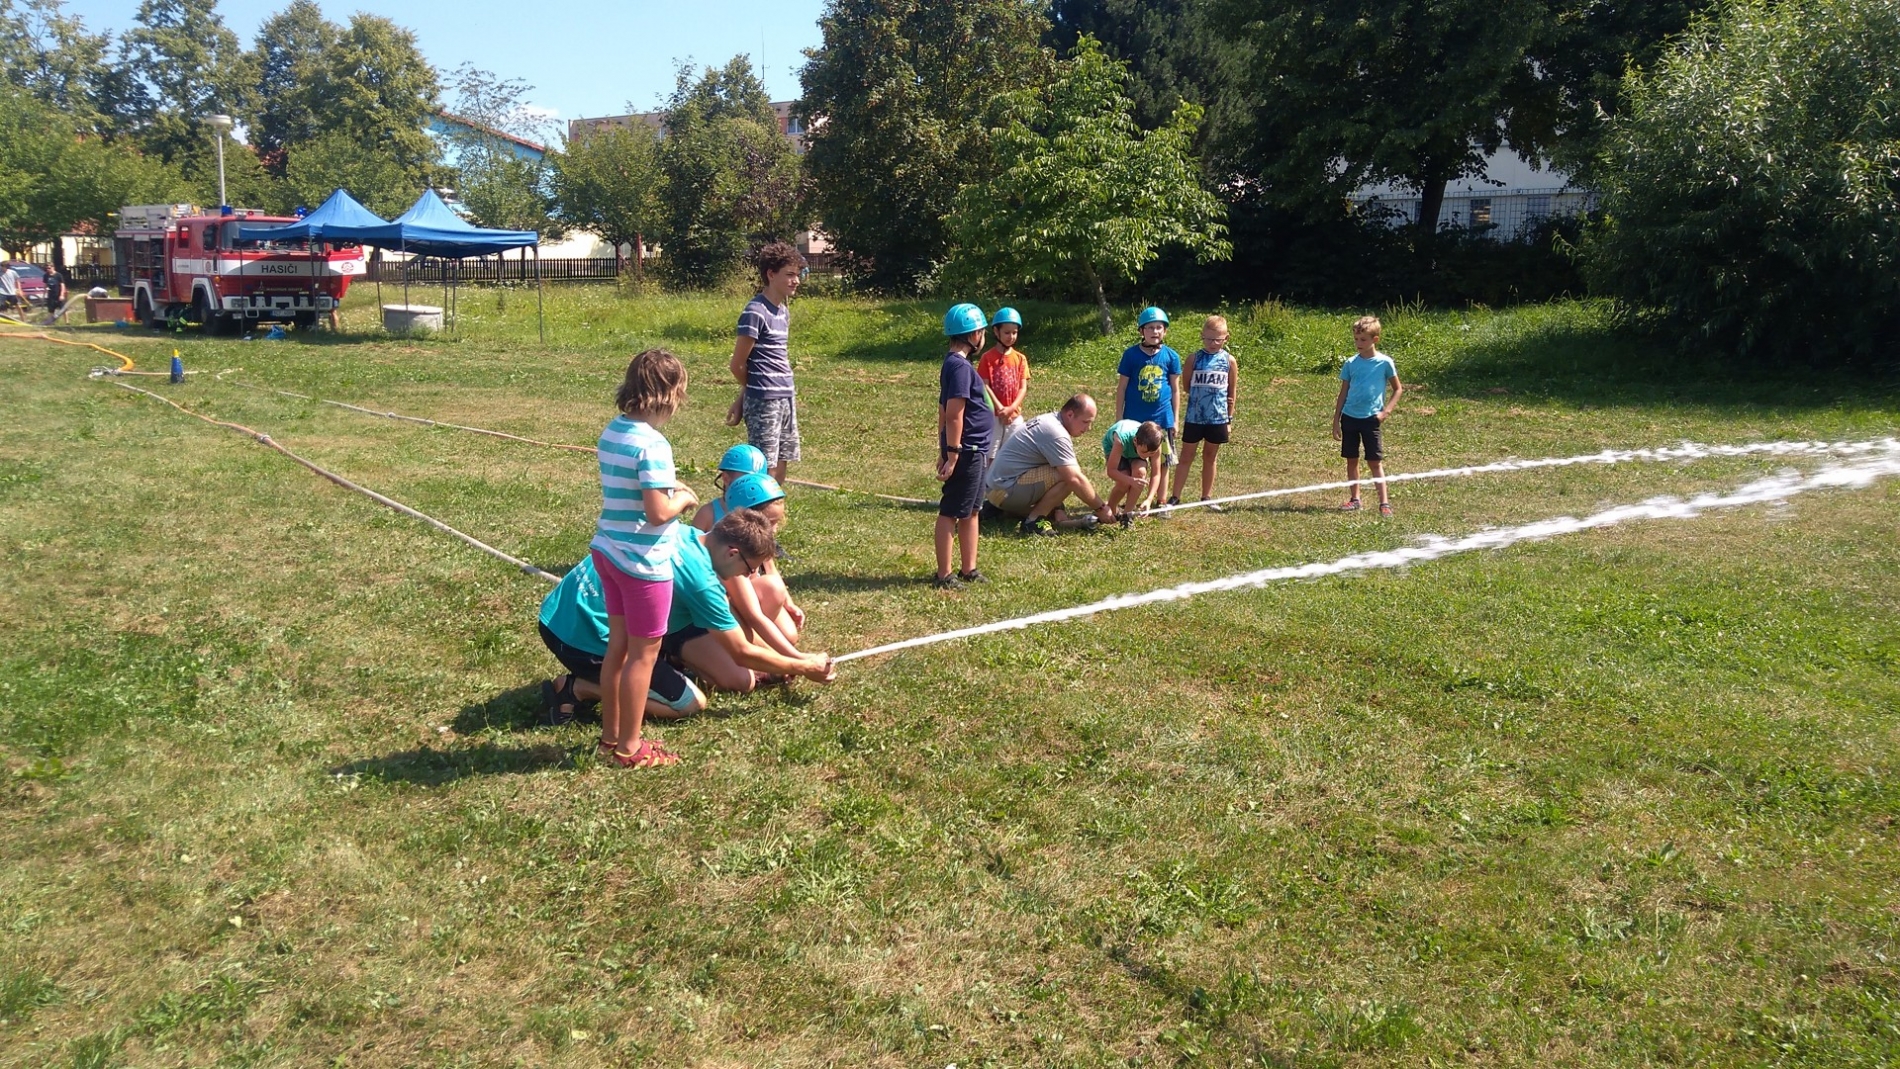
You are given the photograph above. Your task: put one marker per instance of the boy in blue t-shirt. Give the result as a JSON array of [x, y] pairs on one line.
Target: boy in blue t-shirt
[[965, 428], [1362, 407], [1213, 390], [1149, 377]]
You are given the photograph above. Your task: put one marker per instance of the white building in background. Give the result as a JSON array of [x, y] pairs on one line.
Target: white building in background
[[1510, 199]]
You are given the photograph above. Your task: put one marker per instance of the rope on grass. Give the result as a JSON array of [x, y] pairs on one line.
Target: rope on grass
[[1685, 451], [867, 493], [125, 366], [589, 450], [1856, 474], [266, 440]]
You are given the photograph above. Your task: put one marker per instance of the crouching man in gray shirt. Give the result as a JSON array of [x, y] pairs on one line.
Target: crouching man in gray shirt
[[1035, 472]]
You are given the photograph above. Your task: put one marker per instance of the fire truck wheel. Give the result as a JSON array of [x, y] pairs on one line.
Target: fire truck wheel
[[213, 322], [306, 321], [142, 311]]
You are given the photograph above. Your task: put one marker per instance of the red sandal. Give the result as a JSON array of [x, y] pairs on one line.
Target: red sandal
[[648, 754]]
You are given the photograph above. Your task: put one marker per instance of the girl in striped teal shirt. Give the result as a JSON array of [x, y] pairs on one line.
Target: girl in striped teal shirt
[[641, 498]]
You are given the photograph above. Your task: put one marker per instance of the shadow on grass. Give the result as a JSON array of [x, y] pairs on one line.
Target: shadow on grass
[[512, 710], [1608, 366], [429, 767], [836, 583]]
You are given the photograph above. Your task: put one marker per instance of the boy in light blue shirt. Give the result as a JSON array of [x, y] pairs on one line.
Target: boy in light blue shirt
[[1362, 408]]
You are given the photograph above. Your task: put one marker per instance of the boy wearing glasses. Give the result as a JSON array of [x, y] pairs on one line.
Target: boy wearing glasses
[[702, 633], [762, 363]]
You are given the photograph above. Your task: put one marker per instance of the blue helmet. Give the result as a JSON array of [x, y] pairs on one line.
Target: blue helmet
[[1151, 314], [751, 491], [1006, 315], [962, 319], [744, 459]]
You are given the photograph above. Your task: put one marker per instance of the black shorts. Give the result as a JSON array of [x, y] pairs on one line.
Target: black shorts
[[1212, 433], [1353, 430], [578, 662], [675, 641], [669, 684], [963, 490]]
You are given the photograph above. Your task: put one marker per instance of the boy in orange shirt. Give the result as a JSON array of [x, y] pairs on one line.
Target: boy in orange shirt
[[1006, 373]]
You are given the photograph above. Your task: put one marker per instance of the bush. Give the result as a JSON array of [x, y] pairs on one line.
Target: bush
[[1363, 261], [1749, 190]]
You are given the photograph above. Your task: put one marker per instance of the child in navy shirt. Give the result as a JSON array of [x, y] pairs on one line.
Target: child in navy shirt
[[965, 426]]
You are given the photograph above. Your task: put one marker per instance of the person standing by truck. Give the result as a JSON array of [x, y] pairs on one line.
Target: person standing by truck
[[55, 294], [9, 288]]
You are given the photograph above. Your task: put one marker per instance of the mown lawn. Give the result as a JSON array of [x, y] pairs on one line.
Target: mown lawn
[[274, 796]]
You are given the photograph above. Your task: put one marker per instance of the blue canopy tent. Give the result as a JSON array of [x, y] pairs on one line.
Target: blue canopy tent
[[431, 228], [340, 218]]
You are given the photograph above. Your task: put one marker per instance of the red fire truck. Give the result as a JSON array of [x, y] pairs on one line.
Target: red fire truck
[[180, 264]]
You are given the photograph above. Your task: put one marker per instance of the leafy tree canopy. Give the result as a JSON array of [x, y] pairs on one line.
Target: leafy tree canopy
[[291, 50], [1751, 191], [185, 66], [497, 184], [731, 181], [893, 100], [1078, 192], [337, 160], [54, 181], [608, 181], [377, 90], [1171, 58], [1344, 93], [51, 56]]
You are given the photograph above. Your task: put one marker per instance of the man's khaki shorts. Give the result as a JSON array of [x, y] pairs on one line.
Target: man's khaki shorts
[[1029, 488]]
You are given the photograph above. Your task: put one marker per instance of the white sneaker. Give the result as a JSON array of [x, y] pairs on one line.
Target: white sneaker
[[1213, 507]]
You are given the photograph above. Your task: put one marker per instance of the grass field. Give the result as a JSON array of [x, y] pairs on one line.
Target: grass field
[[274, 796]]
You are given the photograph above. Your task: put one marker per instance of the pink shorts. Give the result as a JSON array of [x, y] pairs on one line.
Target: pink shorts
[[644, 604]]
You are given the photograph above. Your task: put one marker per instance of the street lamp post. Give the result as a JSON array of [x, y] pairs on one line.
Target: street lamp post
[[221, 123]]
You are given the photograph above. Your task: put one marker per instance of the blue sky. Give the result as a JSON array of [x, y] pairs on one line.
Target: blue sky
[[582, 59]]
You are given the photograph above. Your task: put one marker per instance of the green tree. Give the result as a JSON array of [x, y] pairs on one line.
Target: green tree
[[55, 178], [1577, 67], [291, 48], [337, 160], [378, 92], [1170, 56], [892, 105], [52, 56], [1751, 191], [731, 181], [1342, 93], [1078, 192], [186, 65], [607, 181], [496, 182]]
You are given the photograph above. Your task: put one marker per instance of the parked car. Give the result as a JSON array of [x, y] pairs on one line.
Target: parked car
[[32, 280]]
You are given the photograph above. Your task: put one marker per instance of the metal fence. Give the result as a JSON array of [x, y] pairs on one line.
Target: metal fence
[[437, 271], [85, 276], [1504, 215]]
